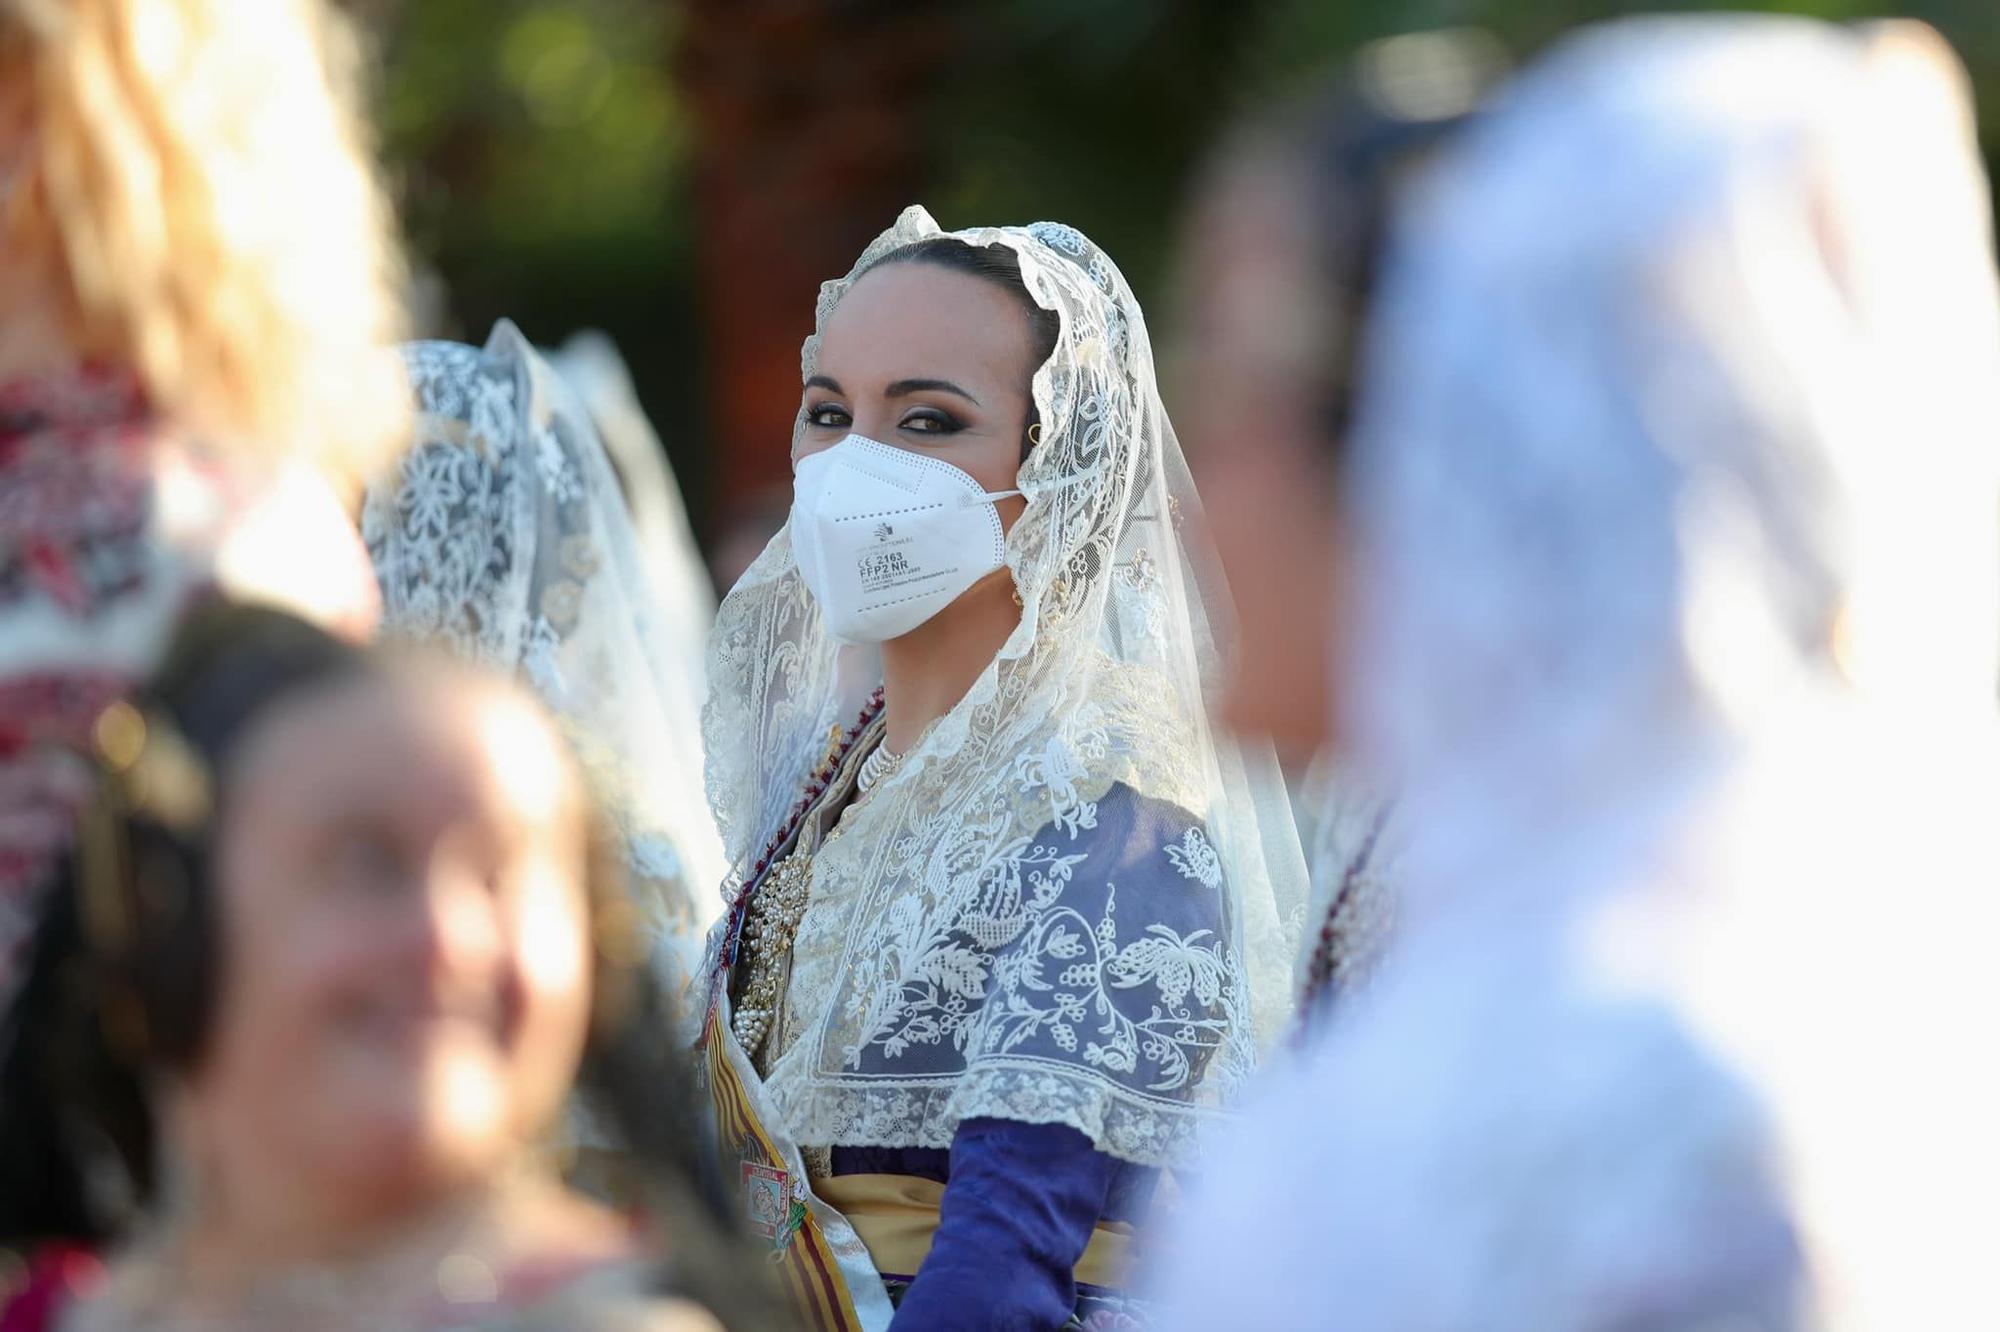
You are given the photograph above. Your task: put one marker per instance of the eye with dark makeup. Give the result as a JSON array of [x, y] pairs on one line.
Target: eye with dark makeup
[[920, 419], [827, 416], [917, 421], [930, 421]]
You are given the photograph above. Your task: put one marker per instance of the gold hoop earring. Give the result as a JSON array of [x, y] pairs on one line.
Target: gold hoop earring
[[1035, 435]]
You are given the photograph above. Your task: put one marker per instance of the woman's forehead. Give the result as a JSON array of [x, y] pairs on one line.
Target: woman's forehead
[[918, 320], [416, 737]]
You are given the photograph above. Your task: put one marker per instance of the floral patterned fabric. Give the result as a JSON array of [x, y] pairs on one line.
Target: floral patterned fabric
[[109, 524], [1111, 953]]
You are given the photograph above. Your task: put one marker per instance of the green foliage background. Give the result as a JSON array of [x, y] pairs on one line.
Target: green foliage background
[[541, 146]]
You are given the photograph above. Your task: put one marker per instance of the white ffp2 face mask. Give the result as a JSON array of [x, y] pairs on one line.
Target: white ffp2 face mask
[[885, 538]]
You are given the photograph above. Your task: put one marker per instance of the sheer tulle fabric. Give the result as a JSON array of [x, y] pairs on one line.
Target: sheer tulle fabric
[[935, 945]]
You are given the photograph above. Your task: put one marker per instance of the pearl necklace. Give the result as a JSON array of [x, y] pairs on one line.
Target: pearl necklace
[[879, 764]]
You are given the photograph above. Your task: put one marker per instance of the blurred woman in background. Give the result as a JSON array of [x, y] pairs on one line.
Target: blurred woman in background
[[1674, 625], [1012, 919], [345, 935], [197, 278], [1279, 264]]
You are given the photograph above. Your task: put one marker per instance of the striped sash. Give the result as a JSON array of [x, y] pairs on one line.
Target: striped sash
[[826, 1269]]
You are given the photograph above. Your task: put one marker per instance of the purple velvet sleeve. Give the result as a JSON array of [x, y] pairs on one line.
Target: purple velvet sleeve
[[1018, 1210]]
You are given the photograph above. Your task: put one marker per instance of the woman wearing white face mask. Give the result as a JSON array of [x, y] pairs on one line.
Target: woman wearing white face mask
[[1008, 920]]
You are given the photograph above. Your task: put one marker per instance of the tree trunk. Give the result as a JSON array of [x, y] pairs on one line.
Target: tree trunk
[[810, 134]]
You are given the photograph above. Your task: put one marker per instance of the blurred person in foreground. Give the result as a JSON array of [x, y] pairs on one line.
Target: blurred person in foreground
[[504, 535], [1282, 245], [344, 935], [197, 278], [1674, 623]]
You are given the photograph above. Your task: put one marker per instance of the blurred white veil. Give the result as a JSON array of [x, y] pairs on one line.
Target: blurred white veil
[[1678, 484]]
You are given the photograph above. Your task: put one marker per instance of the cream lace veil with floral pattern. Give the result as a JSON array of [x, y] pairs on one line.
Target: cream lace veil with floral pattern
[[506, 538], [952, 962]]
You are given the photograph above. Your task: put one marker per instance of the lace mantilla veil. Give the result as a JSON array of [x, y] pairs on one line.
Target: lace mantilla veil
[[505, 536], [949, 964]]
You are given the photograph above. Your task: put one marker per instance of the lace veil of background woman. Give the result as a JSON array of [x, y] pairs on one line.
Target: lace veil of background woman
[[1070, 902], [1676, 468], [505, 536]]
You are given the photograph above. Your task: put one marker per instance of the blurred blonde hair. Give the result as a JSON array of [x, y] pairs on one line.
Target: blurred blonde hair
[[198, 186]]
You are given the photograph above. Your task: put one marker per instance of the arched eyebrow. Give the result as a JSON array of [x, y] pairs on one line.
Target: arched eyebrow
[[902, 388]]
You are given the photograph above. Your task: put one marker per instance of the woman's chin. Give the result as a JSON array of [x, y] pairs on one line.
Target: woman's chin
[[426, 1135]]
